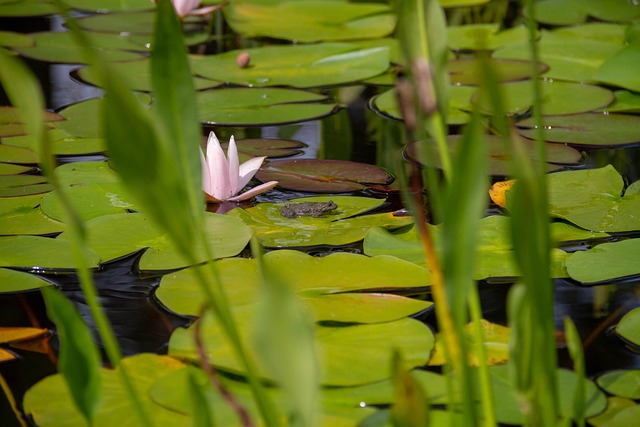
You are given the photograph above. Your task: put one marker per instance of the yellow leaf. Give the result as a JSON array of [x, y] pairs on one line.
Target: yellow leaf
[[11, 334], [498, 192]]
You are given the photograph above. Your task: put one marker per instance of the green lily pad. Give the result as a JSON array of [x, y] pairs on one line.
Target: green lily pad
[[614, 406], [49, 401], [623, 383], [569, 58], [605, 262], [13, 154], [323, 176], [628, 328], [623, 417], [484, 36], [275, 231], [620, 70], [272, 148], [10, 114], [567, 12], [61, 143], [107, 6], [76, 173], [508, 411], [138, 75], [348, 355], [40, 253], [495, 342], [13, 39], [625, 102], [494, 251], [340, 287], [267, 106], [583, 130], [27, 8], [114, 236], [467, 72], [19, 281], [557, 98], [499, 163], [26, 217], [308, 21], [602, 31], [60, 47], [592, 199], [315, 65], [9, 169], [23, 185]]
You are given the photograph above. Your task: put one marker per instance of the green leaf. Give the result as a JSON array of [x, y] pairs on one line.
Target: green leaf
[[628, 328], [623, 383], [106, 6], [27, 8], [315, 65], [114, 236], [18, 281], [307, 21], [27, 218], [62, 143], [79, 360], [566, 12], [39, 253], [620, 69], [484, 36], [614, 406], [335, 228], [468, 72], [604, 262]]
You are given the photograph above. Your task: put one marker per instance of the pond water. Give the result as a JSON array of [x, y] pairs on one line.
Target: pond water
[[142, 324]]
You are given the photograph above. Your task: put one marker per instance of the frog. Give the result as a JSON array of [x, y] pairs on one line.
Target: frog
[[312, 209]]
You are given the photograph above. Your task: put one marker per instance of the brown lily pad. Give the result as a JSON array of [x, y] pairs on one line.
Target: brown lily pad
[[323, 176]]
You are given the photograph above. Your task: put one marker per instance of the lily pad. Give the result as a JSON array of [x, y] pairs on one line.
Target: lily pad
[[625, 102], [254, 107], [49, 401], [9, 169], [315, 65], [270, 147], [467, 71], [567, 12], [307, 21], [19, 281], [624, 417], [569, 58], [114, 236], [23, 185], [24, 216], [40, 253], [335, 228], [623, 383], [629, 327], [619, 70], [27, 8], [605, 262], [557, 98], [484, 36], [592, 199], [494, 249], [107, 6], [584, 130], [60, 47], [614, 406], [138, 75], [348, 355], [499, 163], [75, 173], [13, 154], [61, 143], [340, 287], [323, 176]]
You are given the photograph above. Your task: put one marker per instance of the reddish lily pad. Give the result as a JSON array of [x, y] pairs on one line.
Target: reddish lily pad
[[466, 71], [499, 161], [323, 176], [270, 147], [589, 129]]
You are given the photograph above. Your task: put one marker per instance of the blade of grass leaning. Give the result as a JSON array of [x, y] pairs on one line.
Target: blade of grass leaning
[[79, 360], [574, 344], [410, 407]]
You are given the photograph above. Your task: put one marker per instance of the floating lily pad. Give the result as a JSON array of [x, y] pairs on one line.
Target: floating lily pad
[[348, 355], [9, 169], [270, 147], [23, 185], [13, 154], [623, 383], [49, 401], [496, 345], [629, 327], [60, 47], [614, 406], [323, 176], [11, 335], [315, 65], [61, 143], [76, 173], [567, 12], [625, 102], [340, 287], [40, 253], [138, 76], [27, 8], [494, 251], [275, 231], [557, 98], [592, 199], [589, 129], [622, 417], [19, 281], [307, 21], [11, 125], [569, 58], [484, 36], [499, 163], [602, 31], [114, 236], [253, 107], [605, 262], [467, 71], [620, 70], [22, 215], [106, 6]]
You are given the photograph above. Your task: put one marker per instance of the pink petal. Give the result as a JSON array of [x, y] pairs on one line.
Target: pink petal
[[206, 175], [184, 7], [218, 168], [207, 10], [234, 166], [248, 169], [254, 191]]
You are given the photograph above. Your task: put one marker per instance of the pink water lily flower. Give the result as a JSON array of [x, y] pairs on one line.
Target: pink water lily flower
[[223, 178], [190, 7]]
